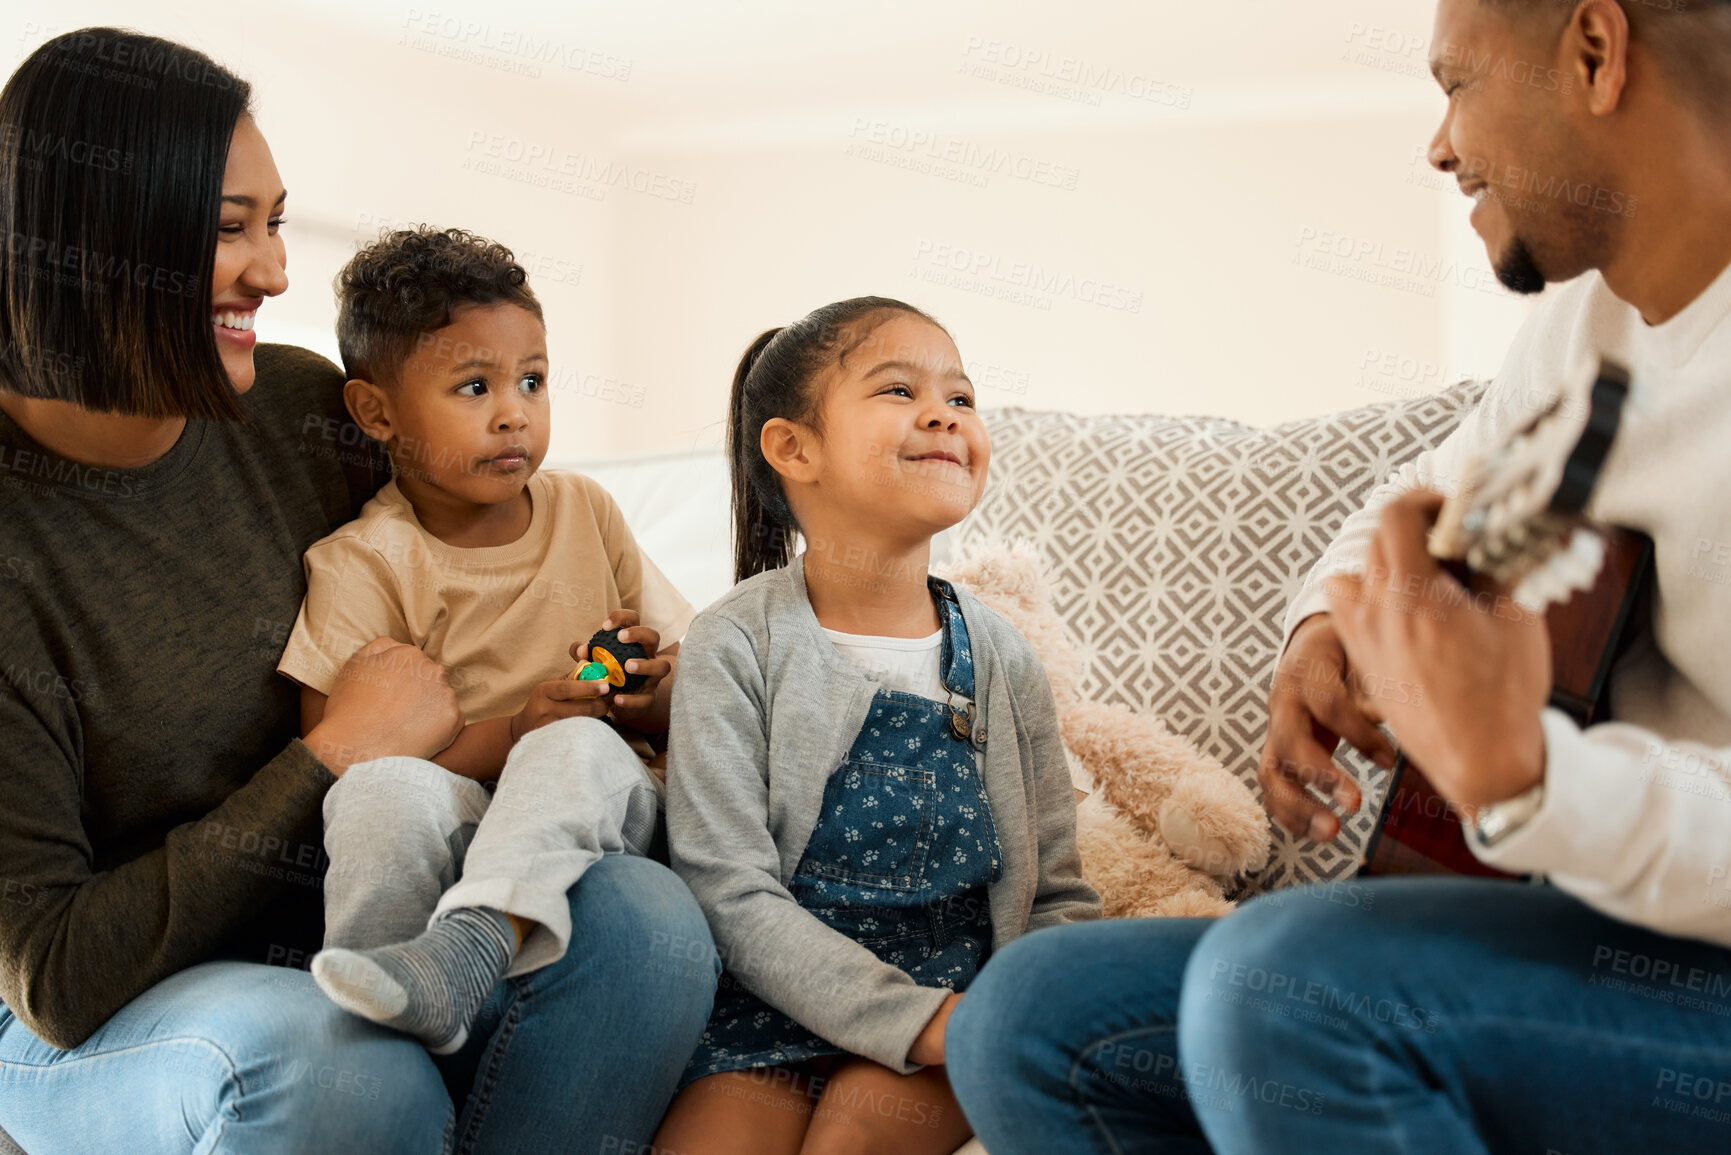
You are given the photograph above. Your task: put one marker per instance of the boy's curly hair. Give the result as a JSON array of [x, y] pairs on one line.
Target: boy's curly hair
[[408, 283]]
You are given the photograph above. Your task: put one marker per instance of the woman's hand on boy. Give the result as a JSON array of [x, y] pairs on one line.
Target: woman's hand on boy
[[390, 698], [560, 698], [646, 709]]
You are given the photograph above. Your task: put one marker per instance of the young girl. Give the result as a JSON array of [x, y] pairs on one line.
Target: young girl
[[867, 792]]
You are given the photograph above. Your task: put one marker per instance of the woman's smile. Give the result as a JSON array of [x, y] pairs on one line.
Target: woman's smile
[[234, 321]]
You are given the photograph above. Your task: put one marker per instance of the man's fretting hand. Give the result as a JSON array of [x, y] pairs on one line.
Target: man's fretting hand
[[1311, 707]]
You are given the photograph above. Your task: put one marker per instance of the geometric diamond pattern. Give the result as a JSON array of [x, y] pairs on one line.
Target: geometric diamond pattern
[[1173, 545]]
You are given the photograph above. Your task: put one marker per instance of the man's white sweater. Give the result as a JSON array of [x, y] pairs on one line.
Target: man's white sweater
[[1636, 819]]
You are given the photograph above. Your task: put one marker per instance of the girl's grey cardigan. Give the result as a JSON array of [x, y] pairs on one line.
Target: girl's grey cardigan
[[764, 710]]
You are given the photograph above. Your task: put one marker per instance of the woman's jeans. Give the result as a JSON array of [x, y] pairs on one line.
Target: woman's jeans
[[1421, 1016], [580, 1057]]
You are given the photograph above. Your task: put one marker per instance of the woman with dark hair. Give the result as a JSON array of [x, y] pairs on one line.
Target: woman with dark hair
[[160, 477]]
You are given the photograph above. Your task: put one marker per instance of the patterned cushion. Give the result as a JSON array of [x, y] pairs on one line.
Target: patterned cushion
[[1173, 545]]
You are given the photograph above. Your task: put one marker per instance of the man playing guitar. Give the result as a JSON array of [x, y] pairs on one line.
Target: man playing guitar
[[1453, 1015]]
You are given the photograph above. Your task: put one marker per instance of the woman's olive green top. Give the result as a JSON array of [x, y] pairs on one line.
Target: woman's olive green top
[[156, 806]]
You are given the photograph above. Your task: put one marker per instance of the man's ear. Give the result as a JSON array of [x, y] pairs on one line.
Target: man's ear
[[370, 405], [1597, 40], [790, 448]]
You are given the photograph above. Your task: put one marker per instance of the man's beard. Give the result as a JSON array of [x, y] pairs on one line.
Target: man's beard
[[1518, 270]]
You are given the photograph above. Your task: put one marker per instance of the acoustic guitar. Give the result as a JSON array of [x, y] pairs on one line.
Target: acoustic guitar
[[1518, 517]]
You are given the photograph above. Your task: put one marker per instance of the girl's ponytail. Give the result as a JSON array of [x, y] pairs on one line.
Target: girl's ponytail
[[762, 529], [774, 379]]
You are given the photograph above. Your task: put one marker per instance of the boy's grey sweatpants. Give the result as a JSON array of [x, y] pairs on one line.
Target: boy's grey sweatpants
[[402, 832]]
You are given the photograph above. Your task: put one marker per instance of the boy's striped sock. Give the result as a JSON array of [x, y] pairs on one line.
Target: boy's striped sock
[[430, 987]]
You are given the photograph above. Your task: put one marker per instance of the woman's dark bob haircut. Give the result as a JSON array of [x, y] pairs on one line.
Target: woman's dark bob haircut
[[112, 151]]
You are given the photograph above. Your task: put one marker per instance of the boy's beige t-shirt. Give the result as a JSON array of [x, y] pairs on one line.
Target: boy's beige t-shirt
[[501, 619]]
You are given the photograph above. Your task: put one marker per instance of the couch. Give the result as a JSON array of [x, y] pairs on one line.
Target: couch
[[1173, 546]]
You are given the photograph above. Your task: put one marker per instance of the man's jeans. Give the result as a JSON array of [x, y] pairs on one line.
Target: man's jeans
[[1445, 1016], [580, 1057]]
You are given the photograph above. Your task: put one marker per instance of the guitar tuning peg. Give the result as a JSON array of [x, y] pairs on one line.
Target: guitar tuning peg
[[1581, 562], [1566, 572], [1543, 587]]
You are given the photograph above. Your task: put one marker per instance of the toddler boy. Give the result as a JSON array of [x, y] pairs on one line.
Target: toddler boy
[[437, 889]]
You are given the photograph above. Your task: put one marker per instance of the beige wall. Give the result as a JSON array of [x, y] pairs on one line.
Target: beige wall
[[1224, 210]]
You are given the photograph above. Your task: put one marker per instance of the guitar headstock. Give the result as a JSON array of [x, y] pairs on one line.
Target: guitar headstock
[[1518, 514]]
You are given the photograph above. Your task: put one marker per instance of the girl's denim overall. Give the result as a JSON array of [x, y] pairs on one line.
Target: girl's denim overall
[[899, 861]]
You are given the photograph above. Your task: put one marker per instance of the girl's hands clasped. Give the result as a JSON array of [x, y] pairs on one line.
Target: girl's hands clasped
[[928, 1048]]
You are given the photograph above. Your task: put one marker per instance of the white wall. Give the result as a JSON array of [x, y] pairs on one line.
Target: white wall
[[1246, 177]]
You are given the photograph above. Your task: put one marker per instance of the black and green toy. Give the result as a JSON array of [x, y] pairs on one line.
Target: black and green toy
[[607, 658]]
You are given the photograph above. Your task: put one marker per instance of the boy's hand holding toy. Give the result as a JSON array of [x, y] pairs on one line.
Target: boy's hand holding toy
[[621, 657], [560, 698], [619, 661]]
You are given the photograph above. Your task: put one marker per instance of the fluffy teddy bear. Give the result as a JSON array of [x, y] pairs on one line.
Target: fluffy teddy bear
[[1164, 827]]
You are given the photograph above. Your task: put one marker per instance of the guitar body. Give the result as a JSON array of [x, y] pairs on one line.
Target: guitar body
[[1419, 832]]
